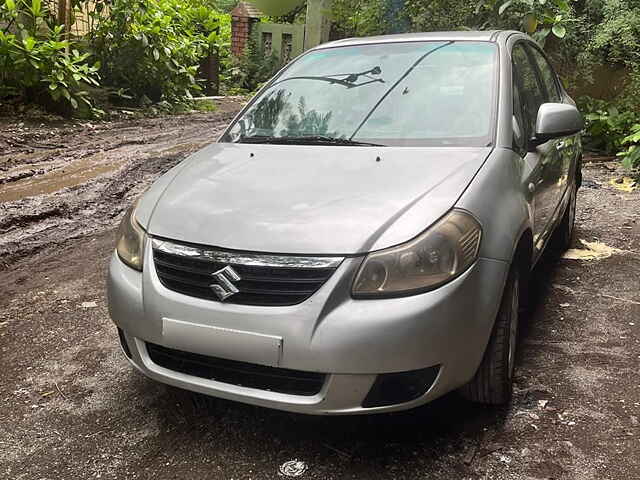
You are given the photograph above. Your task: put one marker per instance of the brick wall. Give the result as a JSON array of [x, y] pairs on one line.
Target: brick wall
[[243, 18], [240, 31]]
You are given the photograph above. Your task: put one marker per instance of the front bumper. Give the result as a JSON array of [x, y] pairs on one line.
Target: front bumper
[[351, 341]]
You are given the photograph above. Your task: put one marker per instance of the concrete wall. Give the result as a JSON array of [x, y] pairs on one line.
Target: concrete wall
[[278, 32]]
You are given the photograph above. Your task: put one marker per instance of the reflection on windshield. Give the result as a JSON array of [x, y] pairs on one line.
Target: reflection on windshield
[[302, 121], [429, 95]]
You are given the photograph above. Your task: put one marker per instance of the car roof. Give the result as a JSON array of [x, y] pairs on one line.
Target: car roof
[[465, 35]]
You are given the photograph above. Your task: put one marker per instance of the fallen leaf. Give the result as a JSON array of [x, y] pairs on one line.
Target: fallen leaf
[[293, 468], [625, 184], [592, 251]]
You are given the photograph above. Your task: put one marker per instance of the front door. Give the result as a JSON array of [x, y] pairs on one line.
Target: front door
[[564, 149], [543, 164]]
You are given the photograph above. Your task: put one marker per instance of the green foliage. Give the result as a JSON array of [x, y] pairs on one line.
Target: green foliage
[[631, 156], [606, 125], [539, 18], [361, 18], [204, 106], [616, 40], [224, 6], [442, 15], [37, 63], [144, 50], [226, 60], [613, 131], [153, 48], [249, 72]]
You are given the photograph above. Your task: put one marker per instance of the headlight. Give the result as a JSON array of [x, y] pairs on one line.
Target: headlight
[[430, 260], [131, 236]]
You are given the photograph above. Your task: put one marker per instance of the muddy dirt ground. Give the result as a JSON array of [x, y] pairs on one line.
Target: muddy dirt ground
[[72, 408]]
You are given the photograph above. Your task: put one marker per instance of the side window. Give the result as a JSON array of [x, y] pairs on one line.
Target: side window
[[548, 76], [531, 93]]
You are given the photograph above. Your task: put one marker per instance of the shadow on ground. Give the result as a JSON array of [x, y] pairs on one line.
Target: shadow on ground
[[444, 435]]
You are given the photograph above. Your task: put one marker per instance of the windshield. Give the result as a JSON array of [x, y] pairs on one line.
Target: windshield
[[397, 94]]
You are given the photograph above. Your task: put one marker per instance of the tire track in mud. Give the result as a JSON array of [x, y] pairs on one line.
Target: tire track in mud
[[49, 196]]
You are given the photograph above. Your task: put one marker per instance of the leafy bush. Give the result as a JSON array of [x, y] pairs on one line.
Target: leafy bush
[[539, 18], [152, 48], [225, 6], [36, 63], [226, 60], [606, 125], [361, 18], [631, 156], [616, 40], [249, 72], [439, 15]]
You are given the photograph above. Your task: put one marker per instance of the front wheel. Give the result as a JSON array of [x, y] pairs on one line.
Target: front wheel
[[493, 382]]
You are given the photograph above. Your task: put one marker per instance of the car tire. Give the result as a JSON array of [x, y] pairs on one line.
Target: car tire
[[493, 382], [562, 236]]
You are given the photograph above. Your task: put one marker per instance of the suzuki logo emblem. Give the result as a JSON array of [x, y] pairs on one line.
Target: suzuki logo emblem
[[225, 287]]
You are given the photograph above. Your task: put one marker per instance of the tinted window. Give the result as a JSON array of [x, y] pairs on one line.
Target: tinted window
[[531, 93], [548, 76], [401, 94]]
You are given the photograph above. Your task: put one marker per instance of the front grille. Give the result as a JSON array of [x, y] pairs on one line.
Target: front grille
[[264, 279], [281, 380]]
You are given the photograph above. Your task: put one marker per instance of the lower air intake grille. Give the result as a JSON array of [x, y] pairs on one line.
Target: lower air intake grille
[[281, 380], [255, 279]]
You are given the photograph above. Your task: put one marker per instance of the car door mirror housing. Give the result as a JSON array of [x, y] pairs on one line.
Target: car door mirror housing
[[556, 120]]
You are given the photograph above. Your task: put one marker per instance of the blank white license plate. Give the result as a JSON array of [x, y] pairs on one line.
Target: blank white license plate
[[222, 342]]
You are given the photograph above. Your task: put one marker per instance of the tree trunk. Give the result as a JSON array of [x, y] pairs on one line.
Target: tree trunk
[[210, 72]]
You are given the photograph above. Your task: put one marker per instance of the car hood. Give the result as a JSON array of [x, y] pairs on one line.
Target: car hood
[[307, 199]]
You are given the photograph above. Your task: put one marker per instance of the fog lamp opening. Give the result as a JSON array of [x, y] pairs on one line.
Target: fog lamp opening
[[402, 387]]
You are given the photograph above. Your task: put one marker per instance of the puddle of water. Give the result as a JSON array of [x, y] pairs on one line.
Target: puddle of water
[[69, 175]]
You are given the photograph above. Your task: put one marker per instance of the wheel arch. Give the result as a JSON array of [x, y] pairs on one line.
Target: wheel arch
[[523, 261]]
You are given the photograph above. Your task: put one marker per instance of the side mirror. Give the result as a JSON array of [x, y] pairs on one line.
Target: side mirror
[[556, 120]]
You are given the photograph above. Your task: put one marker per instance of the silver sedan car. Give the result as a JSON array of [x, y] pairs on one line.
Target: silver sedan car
[[361, 236]]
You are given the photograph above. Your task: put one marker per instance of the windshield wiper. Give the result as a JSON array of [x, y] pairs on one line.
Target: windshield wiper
[[349, 81], [322, 139], [305, 140]]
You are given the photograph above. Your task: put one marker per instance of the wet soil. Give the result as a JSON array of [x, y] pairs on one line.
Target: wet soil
[[73, 408], [64, 180]]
